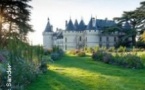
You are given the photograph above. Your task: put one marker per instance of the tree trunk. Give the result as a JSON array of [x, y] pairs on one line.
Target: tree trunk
[[134, 40], [0, 26]]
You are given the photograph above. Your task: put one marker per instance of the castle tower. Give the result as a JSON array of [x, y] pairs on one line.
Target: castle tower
[[48, 36]]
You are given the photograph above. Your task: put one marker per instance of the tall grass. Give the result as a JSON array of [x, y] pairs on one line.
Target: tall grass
[[25, 61]]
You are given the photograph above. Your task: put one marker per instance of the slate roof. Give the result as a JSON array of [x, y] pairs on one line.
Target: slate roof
[[94, 24], [82, 25], [91, 25], [49, 27], [70, 26], [76, 25]]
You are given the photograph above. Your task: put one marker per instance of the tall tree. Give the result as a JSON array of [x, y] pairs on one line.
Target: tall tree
[[14, 18], [137, 20]]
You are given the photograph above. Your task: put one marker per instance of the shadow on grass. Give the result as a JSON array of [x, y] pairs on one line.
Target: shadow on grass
[[86, 63], [55, 81]]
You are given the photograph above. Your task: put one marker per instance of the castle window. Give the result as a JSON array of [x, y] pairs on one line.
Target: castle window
[[65, 47], [107, 38], [65, 39], [114, 39], [80, 38], [100, 39]]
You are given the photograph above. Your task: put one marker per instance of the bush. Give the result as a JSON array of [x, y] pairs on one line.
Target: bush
[[111, 49], [81, 54], [55, 56], [98, 55], [47, 52], [60, 52], [107, 58], [142, 58], [121, 49], [74, 52], [125, 60], [43, 66], [23, 72], [133, 61]]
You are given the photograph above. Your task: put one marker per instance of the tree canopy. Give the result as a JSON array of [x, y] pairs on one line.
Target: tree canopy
[[14, 19], [136, 18]]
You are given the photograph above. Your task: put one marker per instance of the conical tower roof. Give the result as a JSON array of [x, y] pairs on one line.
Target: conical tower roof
[[92, 24], [48, 27], [76, 25], [70, 25], [82, 25]]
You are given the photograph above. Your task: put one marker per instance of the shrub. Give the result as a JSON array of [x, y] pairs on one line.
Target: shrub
[[98, 55], [47, 52], [111, 49], [55, 56], [121, 49], [43, 66], [77, 52], [81, 54], [90, 50], [125, 60], [60, 52], [142, 58], [107, 58], [133, 61], [119, 60]]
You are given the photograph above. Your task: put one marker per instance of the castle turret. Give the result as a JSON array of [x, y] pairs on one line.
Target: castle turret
[[82, 25], [76, 25], [92, 24], [70, 26], [48, 36]]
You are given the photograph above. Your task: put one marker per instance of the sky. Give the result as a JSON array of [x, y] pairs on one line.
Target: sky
[[58, 11]]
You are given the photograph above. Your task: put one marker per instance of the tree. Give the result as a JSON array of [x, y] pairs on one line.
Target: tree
[[14, 18], [137, 20]]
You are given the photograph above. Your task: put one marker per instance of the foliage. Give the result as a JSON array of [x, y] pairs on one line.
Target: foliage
[[54, 56], [142, 56], [132, 61], [125, 60], [103, 56], [77, 52], [74, 51], [24, 60], [143, 37], [43, 66], [121, 49], [108, 58], [15, 15], [111, 49], [81, 54], [98, 55], [140, 44], [48, 52], [56, 53]]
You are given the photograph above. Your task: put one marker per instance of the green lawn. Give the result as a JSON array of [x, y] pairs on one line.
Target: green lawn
[[81, 73]]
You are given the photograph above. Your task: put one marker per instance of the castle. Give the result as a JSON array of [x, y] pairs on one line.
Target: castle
[[78, 35]]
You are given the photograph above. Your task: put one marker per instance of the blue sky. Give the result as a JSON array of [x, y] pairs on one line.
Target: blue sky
[[60, 10]]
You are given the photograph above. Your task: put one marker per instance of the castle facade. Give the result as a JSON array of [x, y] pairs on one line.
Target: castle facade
[[78, 35]]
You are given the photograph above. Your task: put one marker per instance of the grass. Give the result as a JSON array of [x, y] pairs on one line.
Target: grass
[[81, 73]]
